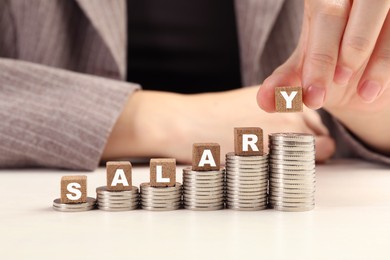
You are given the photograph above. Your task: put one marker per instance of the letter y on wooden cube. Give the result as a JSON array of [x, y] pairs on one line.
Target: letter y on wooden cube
[[206, 157], [248, 141], [288, 99], [163, 172], [119, 176], [74, 189]]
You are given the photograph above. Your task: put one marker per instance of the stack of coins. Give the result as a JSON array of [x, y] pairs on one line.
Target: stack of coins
[[247, 182], [117, 200], [203, 190], [161, 198], [292, 171], [74, 207]]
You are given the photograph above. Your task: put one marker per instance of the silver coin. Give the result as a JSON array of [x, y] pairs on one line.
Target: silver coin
[[291, 200], [246, 172], [204, 193], [193, 180], [309, 181], [203, 208], [292, 204], [283, 185], [282, 144], [246, 166], [292, 136], [247, 163], [202, 179], [188, 170], [170, 204], [251, 157], [89, 203], [103, 190], [117, 201], [203, 205], [290, 192], [293, 141], [73, 209], [203, 201], [278, 176], [247, 194], [291, 167], [118, 209], [292, 158], [286, 162], [233, 207], [203, 185], [162, 197], [246, 201], [146, 187], [160, 208], [261, 178], [292, 209], [116, 205]]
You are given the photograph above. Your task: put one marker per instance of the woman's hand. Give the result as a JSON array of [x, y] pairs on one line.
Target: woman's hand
[[342, 59], [161, 124]]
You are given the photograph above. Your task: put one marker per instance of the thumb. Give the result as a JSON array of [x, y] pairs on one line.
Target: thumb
[[325, 148]]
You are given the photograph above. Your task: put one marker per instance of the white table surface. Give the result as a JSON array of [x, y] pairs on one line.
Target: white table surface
[[351, 221]]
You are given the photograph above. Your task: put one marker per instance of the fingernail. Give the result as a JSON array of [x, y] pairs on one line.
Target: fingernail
[[315, 97], [370, 90], [342, 75]]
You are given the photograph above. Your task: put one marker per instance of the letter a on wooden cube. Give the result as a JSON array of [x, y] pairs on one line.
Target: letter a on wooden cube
[[206, 157], [248, 141], [118, 176], [163, 172], [288, 99], [74, 189]]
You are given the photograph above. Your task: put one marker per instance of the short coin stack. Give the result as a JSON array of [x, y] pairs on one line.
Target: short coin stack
[[161, 198], [117, 200], [247, 182], [292, 171], [74, 207], [203, 190]]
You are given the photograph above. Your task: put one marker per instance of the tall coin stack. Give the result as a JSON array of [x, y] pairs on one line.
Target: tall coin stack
[[247, 182], [117, 200], [204, 186], [161, 198], [203, 190], [292, 171]]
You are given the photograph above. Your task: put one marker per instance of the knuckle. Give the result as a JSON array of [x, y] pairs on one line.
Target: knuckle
[[383, 57], [358, 44], [322, 59], [336, 8]]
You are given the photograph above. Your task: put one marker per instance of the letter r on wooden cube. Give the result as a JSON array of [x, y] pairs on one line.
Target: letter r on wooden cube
[[206, 157], [74, 189], [248, 141], [163, 172], [288, 99], [119, 176]]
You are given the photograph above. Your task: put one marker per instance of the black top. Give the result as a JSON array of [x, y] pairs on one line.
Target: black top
[[185, 46]]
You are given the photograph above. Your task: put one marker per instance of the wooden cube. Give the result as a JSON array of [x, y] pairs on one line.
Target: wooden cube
[[288, 99], [119, 175], [74, 189], [163, 172], [206, 157], [248, 141]]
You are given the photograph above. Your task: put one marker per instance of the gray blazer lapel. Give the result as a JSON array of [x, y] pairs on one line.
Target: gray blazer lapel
[[109, 20], [255, 19]]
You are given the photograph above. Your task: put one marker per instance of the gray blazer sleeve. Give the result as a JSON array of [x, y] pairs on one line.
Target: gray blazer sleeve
[[347, 145], [56, 118]]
